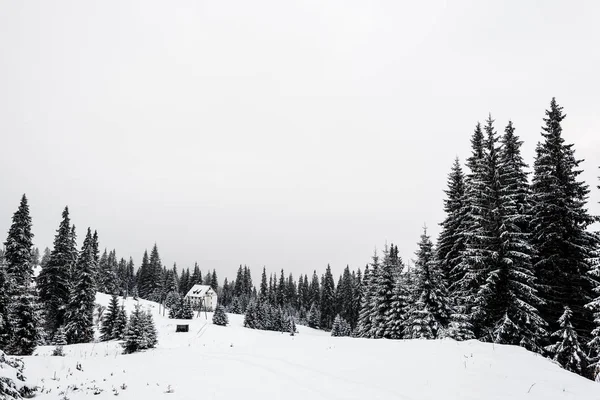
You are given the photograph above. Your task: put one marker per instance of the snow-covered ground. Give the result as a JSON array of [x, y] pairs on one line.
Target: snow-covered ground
[[214, 362]]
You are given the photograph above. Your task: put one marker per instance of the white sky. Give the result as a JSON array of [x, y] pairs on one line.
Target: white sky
[[289, 134]]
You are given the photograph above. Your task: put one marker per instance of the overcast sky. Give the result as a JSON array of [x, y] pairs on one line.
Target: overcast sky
[[290, 134]]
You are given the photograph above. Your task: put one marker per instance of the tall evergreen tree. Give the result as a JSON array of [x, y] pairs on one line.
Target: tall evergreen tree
[[19, 247], [19, 325], [54, 279], [79, 317], [429, 311], [477, 227], [451, 241], [559, 228], [382, 295], [327, 300], [263, 285], [512, 298]]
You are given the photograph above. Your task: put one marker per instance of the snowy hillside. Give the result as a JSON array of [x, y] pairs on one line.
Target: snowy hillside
[[214, 362]]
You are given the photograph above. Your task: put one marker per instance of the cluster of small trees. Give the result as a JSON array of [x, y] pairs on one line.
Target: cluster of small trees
[[181, 309], [314, 302], [262, 315]]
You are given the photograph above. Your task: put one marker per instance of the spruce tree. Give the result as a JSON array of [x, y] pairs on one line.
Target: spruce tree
[[19, 248], [219, 316], [136, 335], [25, 322], [54, 279], [120, 324], [110, 319], [327, 300], [559, 224], [479, 228], [19, 328], [366, 309], [512, 298], [429, 311], [79, 317], [451, 241], [263, 285], [567, 350], [314, 317]]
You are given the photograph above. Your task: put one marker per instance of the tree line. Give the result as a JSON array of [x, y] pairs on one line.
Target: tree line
[[514, 263]]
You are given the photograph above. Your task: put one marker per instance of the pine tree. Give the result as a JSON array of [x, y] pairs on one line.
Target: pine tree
[[314, 317], [340, 327], [511, 293], [219, 316], [186, 309], [559, 228], [19, 328], [429, 311], [136, 336], [149, 330], [19, 248], [80, 310], [120, 324], [383, 291], [451, 241], [144, 284], [566, 350], [479, 228], [366, 310], [263, 285], [54, 278], [327, 300], [110, 319], [25, 321], [13, 367], [395, 321]]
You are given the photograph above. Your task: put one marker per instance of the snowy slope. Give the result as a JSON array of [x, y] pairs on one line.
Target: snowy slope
[[214, 362]]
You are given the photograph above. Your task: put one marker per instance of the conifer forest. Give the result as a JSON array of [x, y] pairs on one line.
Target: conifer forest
[[516, 262]]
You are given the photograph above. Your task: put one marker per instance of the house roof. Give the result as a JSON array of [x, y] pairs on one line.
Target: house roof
[[200, 291]]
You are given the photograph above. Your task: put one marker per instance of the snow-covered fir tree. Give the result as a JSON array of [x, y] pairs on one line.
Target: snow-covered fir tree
[[141, 332], [53, 282], [451, 241], [79, 317], [120, 324], [327, 309], [340, 327], [22, 322], [367, 309], [111, 316], [428, 310], [383, 293], [511, 289], [314, 319], [559, 225], [567, 350], [219, 316]]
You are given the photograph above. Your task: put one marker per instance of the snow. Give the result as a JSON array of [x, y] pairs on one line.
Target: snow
[[214, 362]]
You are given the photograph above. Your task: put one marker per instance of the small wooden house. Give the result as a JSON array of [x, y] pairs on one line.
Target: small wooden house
[[203, 297]]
